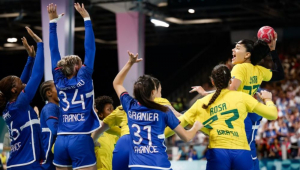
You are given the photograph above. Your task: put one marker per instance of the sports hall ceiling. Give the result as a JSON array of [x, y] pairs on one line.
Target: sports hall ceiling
[[210, 16]]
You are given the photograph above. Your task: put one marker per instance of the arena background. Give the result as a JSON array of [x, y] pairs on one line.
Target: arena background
[[180, 56]]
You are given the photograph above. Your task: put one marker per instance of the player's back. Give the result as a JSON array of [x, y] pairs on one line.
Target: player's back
[[251, 76], [147, 132], [77, 115], [25, 134], [225, 118]]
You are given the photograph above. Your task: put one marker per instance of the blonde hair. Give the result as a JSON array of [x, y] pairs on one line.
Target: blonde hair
[[67, 64]]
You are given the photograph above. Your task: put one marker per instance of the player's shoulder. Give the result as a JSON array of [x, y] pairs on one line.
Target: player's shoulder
[[162, 101]]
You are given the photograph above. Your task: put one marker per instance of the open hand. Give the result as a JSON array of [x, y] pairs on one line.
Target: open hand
[[198, 89], [134, 58], [52, 11], [82, 11], [30, 49], [36, 38], [265, 95], [272, 44]]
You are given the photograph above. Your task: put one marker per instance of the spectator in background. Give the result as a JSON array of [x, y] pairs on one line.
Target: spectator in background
[[182, 154], [275, 150], [192, 153]]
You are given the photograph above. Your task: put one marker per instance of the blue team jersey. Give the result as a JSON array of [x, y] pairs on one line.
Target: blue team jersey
[[147, 128], [25, 132], [76, 101], [49, 111]]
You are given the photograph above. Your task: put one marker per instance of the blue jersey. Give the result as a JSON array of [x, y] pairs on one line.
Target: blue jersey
[[147, 128], [76, 101], [25, 132], [76, 95], [49, 112]]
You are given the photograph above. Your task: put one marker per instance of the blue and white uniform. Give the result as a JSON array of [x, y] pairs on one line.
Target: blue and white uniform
[[147, 126], [22, 121], [74, 146], [49, 124]]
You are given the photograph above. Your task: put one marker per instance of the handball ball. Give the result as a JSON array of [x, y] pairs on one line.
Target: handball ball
[[264, 33]]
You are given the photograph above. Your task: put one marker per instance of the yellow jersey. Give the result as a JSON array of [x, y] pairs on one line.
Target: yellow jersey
[[162, 101], [3, 159], [224, 118], [118, 118], [104, 153], [250, 76]]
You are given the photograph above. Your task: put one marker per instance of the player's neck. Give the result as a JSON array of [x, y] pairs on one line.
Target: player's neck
[[52, 101]]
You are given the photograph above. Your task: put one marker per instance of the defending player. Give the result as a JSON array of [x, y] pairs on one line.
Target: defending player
[[74, 147], [22, 122], [119, 118], [223, 113], [49, 121], [147, 121]]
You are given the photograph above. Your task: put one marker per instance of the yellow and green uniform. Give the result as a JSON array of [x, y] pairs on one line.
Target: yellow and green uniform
[[104, 153], [250, 76], [118, 118]]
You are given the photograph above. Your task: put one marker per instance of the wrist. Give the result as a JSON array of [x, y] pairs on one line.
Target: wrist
[[86, 18]]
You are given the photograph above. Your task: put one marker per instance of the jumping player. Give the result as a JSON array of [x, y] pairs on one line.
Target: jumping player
[[22, 122], [147, 121], [74, 147]]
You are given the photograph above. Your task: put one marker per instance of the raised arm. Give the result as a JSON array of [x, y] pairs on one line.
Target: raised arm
[[104, 127], [277, 72], [89, 41], [38, 68], [53, 41], [118, 81], [30, 61]]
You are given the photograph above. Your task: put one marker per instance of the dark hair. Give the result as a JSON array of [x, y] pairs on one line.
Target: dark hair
[[259, 49], [101, 101], [157, 82], [6, 84], [221, 77], [142, 92], [44, 87]]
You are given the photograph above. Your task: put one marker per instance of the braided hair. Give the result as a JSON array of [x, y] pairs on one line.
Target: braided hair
[[142, 92], [221, 77], [44, 87]]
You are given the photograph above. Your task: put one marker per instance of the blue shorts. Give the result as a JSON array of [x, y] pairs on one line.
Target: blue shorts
[[35, 166], [75, 151], [228, 159], [256, 164], [121, 153]]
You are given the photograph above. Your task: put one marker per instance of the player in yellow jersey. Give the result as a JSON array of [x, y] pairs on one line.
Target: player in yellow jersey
[[119, 118], [223, 114], [104, 153], [247, 77]]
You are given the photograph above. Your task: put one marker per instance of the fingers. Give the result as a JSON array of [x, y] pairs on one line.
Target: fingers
[[30, 32]]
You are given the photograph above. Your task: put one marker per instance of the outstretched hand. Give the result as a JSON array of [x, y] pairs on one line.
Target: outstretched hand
[[82, 11], [30, 49], [52, 11], [36, 38], [198, 89], [272, 44], [134, 58]]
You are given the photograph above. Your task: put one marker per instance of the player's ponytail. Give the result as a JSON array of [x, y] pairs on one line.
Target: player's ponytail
[[259, 49], [259, 52], [142, 92], [6, 84], [221, 77], [44, 87], [67, 64]]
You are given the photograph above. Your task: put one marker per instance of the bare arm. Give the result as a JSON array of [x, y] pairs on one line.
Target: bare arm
[[118, 81], [187, 135], [169, 132], [235, 84], [104, 127]]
